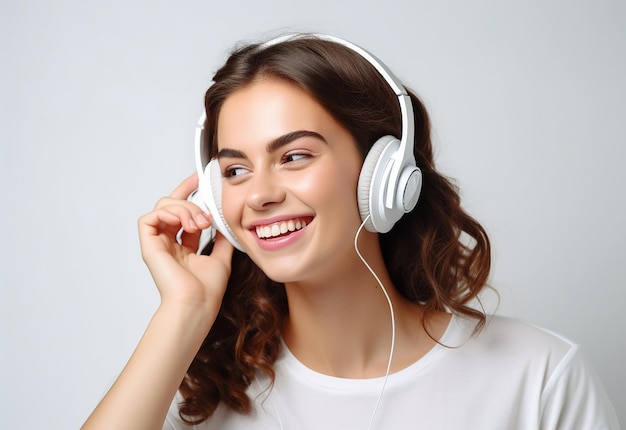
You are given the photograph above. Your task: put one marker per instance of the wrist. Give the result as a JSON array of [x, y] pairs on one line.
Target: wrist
[[187, 317]]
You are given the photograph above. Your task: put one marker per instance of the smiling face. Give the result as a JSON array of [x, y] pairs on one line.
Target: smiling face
[[290, 176]]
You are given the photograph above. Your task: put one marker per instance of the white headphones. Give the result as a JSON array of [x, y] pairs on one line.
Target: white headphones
[[389, 183]]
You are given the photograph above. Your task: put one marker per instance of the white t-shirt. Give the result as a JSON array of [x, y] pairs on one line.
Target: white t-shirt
[[511, 376]]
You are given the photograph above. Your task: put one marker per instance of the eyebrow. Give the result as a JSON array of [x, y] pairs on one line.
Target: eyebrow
[[274, 144]]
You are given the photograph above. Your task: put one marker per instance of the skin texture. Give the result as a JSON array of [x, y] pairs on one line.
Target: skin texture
[[312, 177]]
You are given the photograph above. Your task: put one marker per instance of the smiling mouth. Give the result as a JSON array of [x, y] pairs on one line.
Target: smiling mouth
[[280, 229]]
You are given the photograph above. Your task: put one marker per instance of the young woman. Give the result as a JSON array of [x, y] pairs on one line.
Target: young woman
[[334, 315]]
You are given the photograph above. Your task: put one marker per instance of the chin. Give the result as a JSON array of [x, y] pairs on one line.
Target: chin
[[278, 274]]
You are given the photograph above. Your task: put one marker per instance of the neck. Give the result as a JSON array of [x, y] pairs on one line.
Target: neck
[[341, 325]]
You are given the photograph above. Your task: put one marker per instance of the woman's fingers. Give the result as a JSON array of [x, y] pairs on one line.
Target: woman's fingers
[[191, 216], [168, 219]]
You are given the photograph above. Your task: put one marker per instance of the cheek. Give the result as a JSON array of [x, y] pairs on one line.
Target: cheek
[[333, 186]]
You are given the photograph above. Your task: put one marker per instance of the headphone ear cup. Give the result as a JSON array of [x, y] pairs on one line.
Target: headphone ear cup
[[370, 195], [212, 195]]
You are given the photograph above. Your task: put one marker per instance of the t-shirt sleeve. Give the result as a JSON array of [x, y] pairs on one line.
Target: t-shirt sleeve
[[574, 398]]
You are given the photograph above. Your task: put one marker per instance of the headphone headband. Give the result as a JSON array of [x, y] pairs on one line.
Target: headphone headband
[[391, 79], [406, 107]]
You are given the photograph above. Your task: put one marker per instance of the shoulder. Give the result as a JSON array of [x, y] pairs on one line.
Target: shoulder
[[514, 352], [540, 367], [501, 326], [510, 337]]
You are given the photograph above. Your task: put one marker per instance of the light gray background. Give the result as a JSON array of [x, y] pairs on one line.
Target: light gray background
[[98, 107]]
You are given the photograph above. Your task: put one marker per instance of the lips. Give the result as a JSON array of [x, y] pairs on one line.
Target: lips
[[281, 228]]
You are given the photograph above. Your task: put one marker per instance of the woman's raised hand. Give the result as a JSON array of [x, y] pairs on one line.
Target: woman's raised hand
[[181, 275], [192, 287]]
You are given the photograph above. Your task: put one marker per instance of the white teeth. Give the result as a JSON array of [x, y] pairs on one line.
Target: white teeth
[[275, 230]]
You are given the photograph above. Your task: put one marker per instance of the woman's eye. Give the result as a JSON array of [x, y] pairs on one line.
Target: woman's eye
[[294, 156], [231, 172]]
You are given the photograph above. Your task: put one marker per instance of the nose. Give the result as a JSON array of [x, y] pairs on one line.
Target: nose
[[264, 191]]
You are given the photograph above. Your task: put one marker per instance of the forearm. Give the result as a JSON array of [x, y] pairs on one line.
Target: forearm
[[140, 397]]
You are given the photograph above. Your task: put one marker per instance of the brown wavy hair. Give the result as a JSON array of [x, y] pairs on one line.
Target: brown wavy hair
[[437, 255]]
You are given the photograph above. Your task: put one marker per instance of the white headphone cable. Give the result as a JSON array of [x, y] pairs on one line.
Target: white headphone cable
[[393, 321]]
